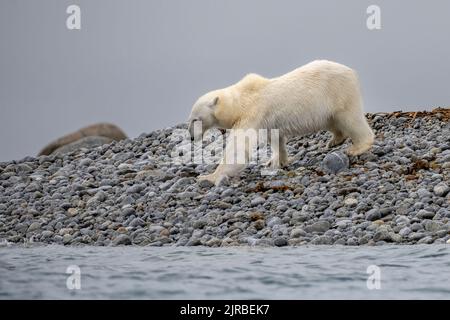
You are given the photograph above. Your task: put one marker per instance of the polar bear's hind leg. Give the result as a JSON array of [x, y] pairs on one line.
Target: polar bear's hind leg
[[354, 125], [337, 139]]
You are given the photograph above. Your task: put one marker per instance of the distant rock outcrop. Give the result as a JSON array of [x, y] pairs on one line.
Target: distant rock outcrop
[[87, 137]]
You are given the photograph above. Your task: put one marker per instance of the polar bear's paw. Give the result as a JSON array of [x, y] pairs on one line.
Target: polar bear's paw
[[207, 177], [212, 179], [356, 150], [335, 141]]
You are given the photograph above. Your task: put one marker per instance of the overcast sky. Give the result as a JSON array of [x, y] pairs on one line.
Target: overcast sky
[[142, 64]]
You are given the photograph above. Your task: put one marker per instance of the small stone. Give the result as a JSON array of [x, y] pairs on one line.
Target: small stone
[[405, 231], [259, 224], [101, 196], [86, 162], [320, 226], [297, 233], [23, 167], [137, 188], [187, 195], [274, 221], [351, 202], [199, 224], [155, 229], [47, 234], [223, 181], [164, 233], [425, 214], [373, 214], [34, 226], [122, 230], [425, 240], [322, 240], [214, 242], [180, 184], [124, 166], [122, 239], [65, 231], [280, 242], [205, 184], [194, 242], [378, 223], [432, 226], [137, 222], [352, 241], [72, 212], [128, 211], [342, 224], [441, 190], [67, 238], [256, 216], [423, 193], [257, 201], [382, 235]]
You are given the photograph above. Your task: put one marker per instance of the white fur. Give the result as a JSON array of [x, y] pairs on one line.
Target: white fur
[[321, 95]]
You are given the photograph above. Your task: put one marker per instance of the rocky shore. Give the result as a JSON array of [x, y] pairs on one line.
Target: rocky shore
[[130, 192]]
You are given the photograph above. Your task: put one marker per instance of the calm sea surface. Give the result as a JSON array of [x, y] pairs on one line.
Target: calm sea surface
[[309, 272]]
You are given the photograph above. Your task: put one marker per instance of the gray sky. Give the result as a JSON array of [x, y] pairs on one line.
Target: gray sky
[[142, 64]]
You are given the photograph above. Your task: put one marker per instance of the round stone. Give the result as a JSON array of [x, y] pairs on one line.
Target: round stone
[[335, 162]]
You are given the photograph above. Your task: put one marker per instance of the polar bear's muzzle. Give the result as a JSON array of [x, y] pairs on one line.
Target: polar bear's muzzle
[[195, 129]]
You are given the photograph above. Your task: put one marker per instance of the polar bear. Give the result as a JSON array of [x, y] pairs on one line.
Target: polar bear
[[321, 95]]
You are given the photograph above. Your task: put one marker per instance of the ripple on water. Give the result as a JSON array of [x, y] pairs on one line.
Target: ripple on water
[[330, 272]]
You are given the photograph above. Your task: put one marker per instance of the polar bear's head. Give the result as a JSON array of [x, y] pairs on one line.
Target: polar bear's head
[[203, 115]]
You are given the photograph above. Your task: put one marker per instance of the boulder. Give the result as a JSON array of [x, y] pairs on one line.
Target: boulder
[[90, 136]]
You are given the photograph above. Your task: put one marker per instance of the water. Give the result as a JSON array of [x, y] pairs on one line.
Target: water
[[309, 272]]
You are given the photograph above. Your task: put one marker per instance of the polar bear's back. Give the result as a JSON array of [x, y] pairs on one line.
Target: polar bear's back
[[309, 96]]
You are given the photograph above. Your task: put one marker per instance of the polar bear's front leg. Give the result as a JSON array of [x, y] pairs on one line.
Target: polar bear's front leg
[[223, 171], [280, 157], [235, 159]]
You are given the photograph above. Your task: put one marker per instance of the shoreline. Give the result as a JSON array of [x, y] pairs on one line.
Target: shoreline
[[130, 193]]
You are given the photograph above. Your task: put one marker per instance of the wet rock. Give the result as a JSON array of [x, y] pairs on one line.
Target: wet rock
[[280, 242], [122, 239]]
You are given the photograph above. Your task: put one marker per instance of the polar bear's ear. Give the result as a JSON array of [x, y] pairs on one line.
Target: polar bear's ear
[[215, 102]]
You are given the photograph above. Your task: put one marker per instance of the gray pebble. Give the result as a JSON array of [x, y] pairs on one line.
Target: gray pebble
[[441, 190], [335, 162], [280, 242], [257, 201], [373, 214], [122, 239], [34, 226], [320, 226]]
